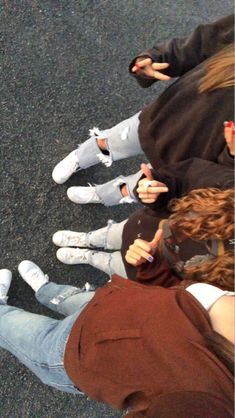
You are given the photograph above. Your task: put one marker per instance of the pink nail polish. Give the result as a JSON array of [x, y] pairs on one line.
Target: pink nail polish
[[137, 67]]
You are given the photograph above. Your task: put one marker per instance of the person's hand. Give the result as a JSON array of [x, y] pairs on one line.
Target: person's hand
[[229, 134], [149, 189], [142, 251], [145, 66]]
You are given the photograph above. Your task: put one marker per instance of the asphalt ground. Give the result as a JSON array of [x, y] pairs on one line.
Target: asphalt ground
[[64, 69]]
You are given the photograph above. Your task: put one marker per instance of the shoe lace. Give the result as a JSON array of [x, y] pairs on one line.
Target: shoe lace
[[75, 166], [84, 255], [35, 275], [77, 241], [93, 195]]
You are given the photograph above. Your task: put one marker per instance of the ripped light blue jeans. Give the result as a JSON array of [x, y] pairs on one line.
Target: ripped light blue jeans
[[122, 141], [108, 238], [39, 341]]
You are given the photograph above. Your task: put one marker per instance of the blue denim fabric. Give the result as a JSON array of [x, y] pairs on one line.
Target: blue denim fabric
[[122, 142], [123, 139], [108, 237], [38, 341], [110, 192]]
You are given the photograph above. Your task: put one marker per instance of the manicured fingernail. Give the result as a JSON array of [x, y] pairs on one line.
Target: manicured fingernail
[[150, 259], [228, 124], [138, 67]]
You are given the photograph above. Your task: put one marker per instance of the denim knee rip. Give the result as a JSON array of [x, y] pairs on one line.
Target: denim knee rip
[[103, 158], [121, 182], [70, 292]]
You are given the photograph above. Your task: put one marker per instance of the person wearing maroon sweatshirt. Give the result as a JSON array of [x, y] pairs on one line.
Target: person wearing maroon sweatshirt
[[151, 351]]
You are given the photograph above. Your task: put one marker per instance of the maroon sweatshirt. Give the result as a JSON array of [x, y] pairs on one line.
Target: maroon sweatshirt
[[142, 349]]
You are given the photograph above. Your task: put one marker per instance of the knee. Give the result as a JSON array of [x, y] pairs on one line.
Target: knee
[[124, 190], [102, 144]]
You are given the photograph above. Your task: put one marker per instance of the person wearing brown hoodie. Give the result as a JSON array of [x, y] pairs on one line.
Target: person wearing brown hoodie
[[185, 121]]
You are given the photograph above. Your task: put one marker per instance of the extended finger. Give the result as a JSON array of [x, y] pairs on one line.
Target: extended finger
[[153, 183], [141, 63], [146, 184], [160, 65], [152, 190], [160, 76]]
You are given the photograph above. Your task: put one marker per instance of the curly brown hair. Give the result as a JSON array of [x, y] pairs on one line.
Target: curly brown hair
[[202, 215]]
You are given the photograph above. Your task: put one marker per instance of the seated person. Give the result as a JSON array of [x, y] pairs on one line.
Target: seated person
[[149, 351], [196, 241], [185, 121]]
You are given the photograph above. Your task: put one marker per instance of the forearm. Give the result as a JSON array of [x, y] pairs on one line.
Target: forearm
[[185, 53], [184, 176]]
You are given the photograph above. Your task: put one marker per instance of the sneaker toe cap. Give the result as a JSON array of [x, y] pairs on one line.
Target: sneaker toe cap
[[62, 255], [57, 238], [25, 266], [5, 276], [56, 175], [72, 195]]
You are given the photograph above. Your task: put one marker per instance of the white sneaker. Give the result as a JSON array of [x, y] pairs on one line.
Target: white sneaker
[[32, 274], [74, 256], [65, 168], [5, 282], [70, 239], [97, 259], [83, 195]]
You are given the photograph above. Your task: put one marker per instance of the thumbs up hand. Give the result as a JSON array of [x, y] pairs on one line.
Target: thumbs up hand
[[149, 189], [142, 251]]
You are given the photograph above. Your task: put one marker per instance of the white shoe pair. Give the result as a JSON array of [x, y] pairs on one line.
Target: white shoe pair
[[78, 194], [68, 255], [64, 170], [30, 273]]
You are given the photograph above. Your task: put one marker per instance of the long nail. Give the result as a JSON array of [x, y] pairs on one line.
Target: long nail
[[228, 124], [150, 259]]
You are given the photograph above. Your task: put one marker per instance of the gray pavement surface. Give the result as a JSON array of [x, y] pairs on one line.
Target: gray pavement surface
[[64, 70]]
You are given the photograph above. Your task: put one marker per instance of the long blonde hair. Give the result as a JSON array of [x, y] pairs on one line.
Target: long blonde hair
[[202, 215], [219, 70]]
